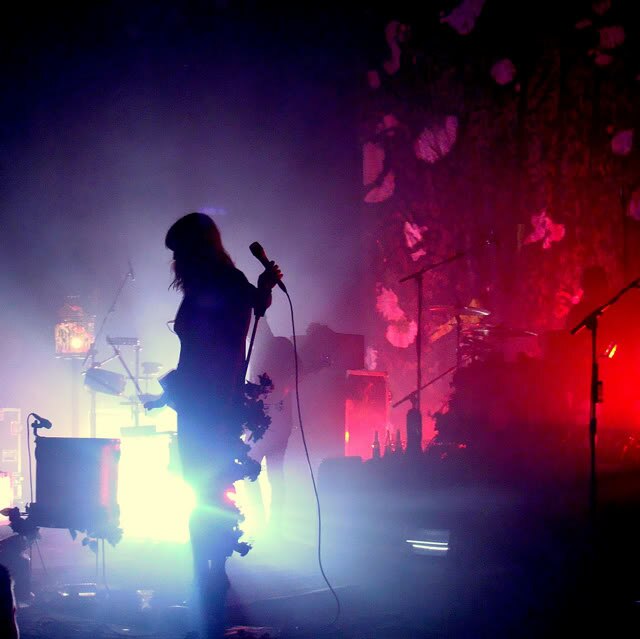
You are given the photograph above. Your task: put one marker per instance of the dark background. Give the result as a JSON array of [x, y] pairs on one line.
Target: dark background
[[120, 117]]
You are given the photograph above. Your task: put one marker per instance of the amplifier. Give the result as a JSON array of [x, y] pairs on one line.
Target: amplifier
[[366, 411], [76, 483]]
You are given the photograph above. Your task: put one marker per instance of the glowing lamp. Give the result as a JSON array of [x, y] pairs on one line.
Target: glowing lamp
[[77, 342], [75, 331]]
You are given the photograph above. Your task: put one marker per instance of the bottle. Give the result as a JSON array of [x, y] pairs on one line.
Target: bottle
[[375, 446], [397, 448], [387, 444], [414, 431]]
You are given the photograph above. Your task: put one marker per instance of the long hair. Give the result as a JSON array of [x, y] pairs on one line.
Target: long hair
[[198, 252]]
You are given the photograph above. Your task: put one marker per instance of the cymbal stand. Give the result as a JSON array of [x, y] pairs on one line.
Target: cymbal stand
[[590, 322], [134, 378], [92, 352], [418, 278], [411, 395]]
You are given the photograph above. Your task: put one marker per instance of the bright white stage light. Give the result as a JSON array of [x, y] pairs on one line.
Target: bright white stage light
[[430, 542], [155, 504]]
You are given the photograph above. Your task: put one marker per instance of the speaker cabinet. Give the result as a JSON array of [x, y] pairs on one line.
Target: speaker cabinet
[[366, 411], [76, 483]]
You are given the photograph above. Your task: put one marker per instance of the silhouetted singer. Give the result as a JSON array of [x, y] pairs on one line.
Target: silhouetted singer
[[206, 390]]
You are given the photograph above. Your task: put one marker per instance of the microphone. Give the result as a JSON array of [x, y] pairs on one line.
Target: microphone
[[42, 422], [131, 274], [261, 256]]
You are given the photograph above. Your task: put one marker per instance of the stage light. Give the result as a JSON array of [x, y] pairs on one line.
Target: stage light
[[155, 504], [430, 547], [77, 343], [79, 591], [430, 542], [75, 331]]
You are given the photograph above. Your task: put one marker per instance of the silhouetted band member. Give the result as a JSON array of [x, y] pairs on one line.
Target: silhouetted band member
[[206, 390], [275, 356]]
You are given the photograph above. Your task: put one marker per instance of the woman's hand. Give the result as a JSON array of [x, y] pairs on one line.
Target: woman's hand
[[270, 276], [151, 402]]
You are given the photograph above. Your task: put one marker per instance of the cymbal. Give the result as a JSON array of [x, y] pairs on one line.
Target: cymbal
[[460, 310], [501, 331], [101, 380], [151, 368]]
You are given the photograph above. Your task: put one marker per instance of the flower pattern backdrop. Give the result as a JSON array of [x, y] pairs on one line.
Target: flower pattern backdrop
[[506, 131]]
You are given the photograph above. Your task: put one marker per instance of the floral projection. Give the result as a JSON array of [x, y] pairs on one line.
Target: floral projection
[[502, 133]]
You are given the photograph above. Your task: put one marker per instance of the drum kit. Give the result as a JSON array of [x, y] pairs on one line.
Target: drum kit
[[481, 345], [477, 336], [99, 380]]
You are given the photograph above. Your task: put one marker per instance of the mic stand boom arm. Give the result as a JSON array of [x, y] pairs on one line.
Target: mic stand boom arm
[[112, 308], [590, 322], [91, 353], [593, 315]]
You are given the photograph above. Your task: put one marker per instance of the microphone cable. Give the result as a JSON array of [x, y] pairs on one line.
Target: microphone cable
[[311, 473]]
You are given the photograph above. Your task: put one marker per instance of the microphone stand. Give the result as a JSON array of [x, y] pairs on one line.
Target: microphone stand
[[91, 353], [257, 316], [590, 322], [414, 415], [251, 341]]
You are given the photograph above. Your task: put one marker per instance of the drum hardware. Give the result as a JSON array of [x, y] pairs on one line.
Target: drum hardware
[[418, 277], [460, 310], [501, 331], [100, 380], [90, 358], [464, 319], [151, 369], [414, 414], [411, 395], [123, 341]]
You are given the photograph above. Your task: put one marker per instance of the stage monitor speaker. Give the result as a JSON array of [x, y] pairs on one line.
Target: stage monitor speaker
[[366, 411], [76, 483]]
